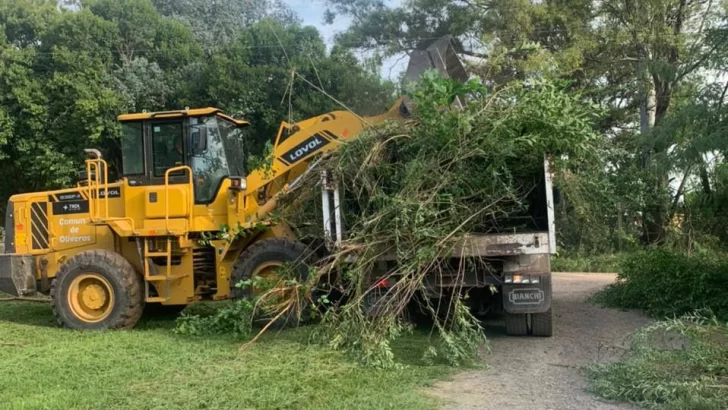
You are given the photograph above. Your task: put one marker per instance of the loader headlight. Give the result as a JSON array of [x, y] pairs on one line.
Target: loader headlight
[[238, 184]]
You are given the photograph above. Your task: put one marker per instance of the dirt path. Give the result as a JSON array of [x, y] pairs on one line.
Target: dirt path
[[532, 373]]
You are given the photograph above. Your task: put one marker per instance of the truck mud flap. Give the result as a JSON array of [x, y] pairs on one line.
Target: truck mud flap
[[528, 298], [17, 275]]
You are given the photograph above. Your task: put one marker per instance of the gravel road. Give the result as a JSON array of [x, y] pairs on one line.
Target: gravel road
[[532, 373]]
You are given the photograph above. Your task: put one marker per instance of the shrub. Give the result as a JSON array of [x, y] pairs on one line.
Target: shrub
[[608, 263], [665, 283], [235, 318]]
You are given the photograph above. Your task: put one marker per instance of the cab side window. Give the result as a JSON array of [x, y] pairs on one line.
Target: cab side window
[[132, 149], [168, 148]]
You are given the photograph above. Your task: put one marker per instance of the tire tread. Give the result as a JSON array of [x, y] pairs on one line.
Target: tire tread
[[115, 264], [542, 324], [516, 324]]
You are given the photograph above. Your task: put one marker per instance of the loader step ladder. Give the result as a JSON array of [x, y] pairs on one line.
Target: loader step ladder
[[151, 273]]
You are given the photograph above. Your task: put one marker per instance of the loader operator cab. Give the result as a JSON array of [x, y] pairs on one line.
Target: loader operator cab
[[208, 141]]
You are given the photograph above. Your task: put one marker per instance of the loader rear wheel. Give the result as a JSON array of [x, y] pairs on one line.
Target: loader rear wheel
[[97, 289], [263, 259]]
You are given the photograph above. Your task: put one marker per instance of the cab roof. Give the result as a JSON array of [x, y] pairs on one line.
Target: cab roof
[[195, 112]]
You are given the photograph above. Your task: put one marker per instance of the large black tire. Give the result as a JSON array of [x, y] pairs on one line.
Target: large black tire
[[542, 324], [516, 324], [274, 250], [124, 302]]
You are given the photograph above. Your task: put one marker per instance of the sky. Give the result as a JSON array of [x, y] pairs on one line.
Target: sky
[[311, 12]]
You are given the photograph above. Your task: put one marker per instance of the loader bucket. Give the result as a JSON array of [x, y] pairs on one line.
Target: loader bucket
[[440, 56], [17, 275]]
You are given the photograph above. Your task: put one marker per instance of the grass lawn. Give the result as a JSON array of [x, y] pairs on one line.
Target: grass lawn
[[44, 367]]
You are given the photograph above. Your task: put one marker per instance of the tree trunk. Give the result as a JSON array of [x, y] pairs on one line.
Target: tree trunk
[[653, 217], [620, 227], [647, 120], [705, 179]]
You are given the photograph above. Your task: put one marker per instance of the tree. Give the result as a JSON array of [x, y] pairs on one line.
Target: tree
[[56, 95], [662, 43], [257, 81], [216, 23]]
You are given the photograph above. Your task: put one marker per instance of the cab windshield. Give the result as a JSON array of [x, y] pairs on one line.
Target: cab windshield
[[220, 156]]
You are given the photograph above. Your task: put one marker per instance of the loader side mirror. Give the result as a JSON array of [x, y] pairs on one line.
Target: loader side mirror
[[199, 140]]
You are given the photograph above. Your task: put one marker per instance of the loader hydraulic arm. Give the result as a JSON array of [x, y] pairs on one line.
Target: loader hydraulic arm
[[297, 143]]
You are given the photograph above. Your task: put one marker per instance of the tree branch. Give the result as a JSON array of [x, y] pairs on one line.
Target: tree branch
[[722, 97], [679, 192], [697, 64]]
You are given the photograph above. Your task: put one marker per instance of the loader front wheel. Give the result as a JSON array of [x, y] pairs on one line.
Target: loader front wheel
[[276, 298], [97, 290]]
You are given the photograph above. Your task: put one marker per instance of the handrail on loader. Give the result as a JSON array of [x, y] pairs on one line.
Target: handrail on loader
[[190, 184], [94, 168]]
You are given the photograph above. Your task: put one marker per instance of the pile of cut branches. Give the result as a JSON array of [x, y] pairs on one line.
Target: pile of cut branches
[[415, 188]]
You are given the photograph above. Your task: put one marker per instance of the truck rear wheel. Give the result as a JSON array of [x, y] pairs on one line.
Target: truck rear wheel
[[97, 289], [542, 324], [516, 324], [263, 259]]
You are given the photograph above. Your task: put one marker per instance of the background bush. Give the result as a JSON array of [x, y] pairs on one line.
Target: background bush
[[608, 263], [666, 283]]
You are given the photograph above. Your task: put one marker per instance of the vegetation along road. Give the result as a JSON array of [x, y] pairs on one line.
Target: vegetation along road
[[531, 373]]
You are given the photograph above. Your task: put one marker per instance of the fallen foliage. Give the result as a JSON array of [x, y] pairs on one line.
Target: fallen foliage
[[674, 364]]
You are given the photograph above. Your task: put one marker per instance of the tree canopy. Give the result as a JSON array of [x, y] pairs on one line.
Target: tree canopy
[[67, 70]]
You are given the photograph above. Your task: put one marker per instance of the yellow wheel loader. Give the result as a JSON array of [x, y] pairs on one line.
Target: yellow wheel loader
[[104, 249]]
